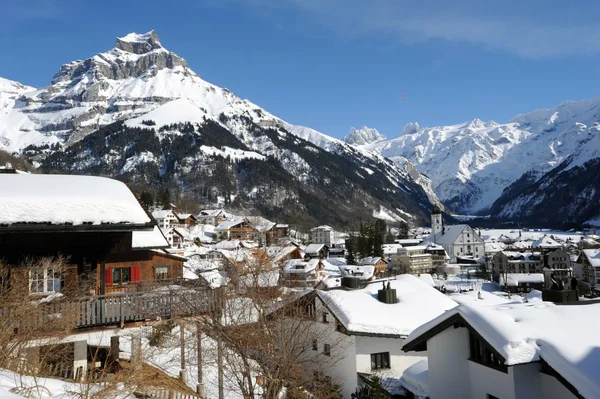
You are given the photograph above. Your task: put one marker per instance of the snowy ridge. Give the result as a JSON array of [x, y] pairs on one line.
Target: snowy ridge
[[362, 136], [471, 163]]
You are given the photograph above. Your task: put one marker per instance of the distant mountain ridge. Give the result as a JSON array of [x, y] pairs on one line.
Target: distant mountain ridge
[[472, 164], [139, 113]]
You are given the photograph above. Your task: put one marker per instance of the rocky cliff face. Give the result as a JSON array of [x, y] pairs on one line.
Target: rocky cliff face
[[362, 136]]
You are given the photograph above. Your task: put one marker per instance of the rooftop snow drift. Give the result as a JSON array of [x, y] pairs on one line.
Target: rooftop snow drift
[[70, 200]]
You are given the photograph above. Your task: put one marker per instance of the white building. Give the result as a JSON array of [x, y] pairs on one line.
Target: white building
[[412, 260], [365, 335], [486, 349], [165, 218], [458, 240], [322, 235]]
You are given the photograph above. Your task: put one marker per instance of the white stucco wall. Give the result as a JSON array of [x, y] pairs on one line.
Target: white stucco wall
[[553, 389], [399, 360], [485, 380], [448, 352], [527, 381]]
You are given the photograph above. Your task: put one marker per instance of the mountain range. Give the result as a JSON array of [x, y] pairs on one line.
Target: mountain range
[[540, 167], [138, 113]]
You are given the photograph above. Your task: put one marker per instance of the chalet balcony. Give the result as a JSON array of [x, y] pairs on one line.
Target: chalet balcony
[[140, 286], [111, 309]]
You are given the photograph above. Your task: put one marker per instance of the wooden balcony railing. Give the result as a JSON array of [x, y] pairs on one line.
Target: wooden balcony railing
[[114, 309]]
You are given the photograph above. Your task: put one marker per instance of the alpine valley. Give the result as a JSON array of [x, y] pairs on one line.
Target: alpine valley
[[140, 114]]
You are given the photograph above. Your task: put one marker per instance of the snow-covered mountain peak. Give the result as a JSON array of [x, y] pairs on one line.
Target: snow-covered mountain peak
[[137, 43], [410, 127], [364, 135], [10, 91]]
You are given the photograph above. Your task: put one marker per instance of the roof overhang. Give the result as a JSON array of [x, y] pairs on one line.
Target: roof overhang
[[66, 228]]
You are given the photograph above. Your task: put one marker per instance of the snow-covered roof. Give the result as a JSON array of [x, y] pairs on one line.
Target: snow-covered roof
[[449, 234], [407, 241], [323, 227], [363, 272], [162, 214], [494, 247], [264, 227], [148, 239], [210, 212], [389, 249], [228, 245], [514, 279], [300, 266], [593, 256], [427, 279], [370, 260], [227, 224], [545, 242], [360, 311], [71, 200], [276, 253], [416, 379], [566, 337], [313, 248]]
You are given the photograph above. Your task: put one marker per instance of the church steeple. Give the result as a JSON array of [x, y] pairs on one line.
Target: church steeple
[[436, 220]]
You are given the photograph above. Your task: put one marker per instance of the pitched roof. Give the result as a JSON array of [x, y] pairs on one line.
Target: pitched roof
[[67, 200], [565, 337], [593, 256], [227, 224], [163, 213], [448, 235], [323, 227], [363, 272], [370, 260], [545, 242], [313, 248], [514, 279], [148, 239], [299, 266], [360, 311]]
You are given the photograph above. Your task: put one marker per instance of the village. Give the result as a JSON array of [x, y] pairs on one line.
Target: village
[[100, 295]]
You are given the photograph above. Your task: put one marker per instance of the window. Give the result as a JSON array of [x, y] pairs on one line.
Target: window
[[161, 272], [380, 360], [339, 326], [325, 317], [482, 353], [42, 281], [327, 350], [121, 275], [315, 345]]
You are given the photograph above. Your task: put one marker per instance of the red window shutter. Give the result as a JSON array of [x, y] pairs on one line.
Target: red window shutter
[[108, 277], [135, 274]]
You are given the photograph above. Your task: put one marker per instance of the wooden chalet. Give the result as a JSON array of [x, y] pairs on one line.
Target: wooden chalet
[[186, 219], [112, 249], [235, 229]]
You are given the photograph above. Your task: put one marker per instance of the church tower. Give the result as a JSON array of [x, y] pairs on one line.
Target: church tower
[[436, 220]]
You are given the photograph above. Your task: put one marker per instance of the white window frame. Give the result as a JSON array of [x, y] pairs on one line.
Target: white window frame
[[44, 281]]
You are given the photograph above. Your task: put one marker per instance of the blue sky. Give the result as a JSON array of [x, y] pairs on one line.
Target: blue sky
[[334, 64]]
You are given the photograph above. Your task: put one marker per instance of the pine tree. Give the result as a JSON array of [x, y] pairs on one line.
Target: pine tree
[[146, 199], [165, 199]]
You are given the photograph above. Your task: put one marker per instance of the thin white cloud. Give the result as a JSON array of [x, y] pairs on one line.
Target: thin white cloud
[[538, 31]]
